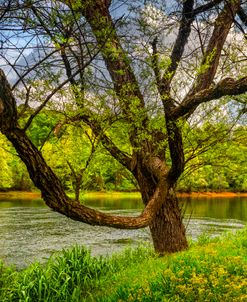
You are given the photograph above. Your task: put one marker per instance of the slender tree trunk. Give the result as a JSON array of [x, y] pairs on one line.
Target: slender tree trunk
[[77, 185], [77, 188]]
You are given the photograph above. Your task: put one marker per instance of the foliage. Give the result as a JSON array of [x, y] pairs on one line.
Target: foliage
[[69, 276], [6, 180], [13, 174], [217, 162], [211, 270]]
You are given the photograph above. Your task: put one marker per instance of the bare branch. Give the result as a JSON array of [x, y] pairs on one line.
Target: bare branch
[[22, 76], [178, 48], [155, 63], [242, 15], [206, 7], [58, 88]]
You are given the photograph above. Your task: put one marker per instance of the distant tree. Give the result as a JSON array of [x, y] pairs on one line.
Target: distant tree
[[6, 180], [151, 68]]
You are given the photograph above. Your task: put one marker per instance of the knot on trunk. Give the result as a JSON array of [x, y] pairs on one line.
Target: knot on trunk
[[157, 167]]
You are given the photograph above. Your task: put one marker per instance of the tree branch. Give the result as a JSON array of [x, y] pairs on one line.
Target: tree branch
[[178, 48], [90, 216], [227, 86], [205, 7], [55, 197], [108, 144], [116, 60], [51, 187], [242, 15], [155, 62], [212, 55], [58, 88], [8, 110], [22, 76]]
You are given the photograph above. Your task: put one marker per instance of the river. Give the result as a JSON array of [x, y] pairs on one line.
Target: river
[[30, 231]]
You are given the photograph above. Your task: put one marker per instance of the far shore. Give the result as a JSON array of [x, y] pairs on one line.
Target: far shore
[[117, 195]]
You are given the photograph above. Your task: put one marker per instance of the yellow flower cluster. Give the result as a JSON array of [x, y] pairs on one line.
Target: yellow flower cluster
[[207, 277]]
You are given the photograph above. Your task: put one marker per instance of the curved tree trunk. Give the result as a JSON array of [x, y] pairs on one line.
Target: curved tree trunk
[[161, 211]]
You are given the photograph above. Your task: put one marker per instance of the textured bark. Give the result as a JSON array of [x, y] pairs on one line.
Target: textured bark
[[227, 86], [211, 59], [167, 228], [55, 197], [116, 59], [8, 112], [175, 142]]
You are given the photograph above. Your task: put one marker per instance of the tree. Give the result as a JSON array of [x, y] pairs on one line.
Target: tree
[[124, 72], [6, 173]]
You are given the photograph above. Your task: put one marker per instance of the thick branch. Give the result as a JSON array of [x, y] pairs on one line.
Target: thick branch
[[116, 59], [212, 55], [174, 134], [8, 111], [51, 187], [227, 86], [90, 216], [175, 142], [155, 61], [55, 197]]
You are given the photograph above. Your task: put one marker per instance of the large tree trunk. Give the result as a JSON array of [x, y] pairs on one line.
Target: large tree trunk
[[167, 228]]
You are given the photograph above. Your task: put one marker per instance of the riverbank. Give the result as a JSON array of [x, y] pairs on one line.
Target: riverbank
[[211, 270], [213, 194], [119, 195]]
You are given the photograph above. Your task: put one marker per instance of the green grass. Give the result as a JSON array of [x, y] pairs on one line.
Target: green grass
[[211, 270]]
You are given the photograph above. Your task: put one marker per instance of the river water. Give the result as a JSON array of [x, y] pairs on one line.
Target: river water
[[30, 231]]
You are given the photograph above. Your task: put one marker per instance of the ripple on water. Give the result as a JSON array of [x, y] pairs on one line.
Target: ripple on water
[[29, 233], [210, 226]]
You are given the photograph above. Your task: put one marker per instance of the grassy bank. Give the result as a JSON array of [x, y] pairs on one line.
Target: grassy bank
[[211, 270]]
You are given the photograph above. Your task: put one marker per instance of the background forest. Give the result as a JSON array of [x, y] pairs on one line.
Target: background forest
[[75, 153]]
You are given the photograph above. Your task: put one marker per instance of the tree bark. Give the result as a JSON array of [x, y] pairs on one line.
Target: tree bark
[[167, 228]]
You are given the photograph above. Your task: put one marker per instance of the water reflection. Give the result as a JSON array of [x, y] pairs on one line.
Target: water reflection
[[220, 208], [30, 231]]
